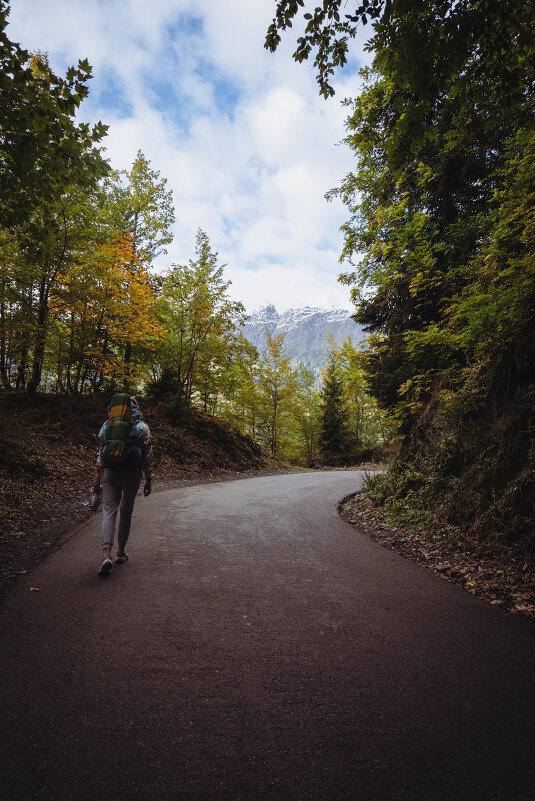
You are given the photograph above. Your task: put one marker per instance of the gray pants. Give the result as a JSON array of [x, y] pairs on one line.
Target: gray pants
[[119, 485]]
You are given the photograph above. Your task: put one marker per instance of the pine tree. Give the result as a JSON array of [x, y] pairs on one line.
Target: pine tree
[[335, 437]]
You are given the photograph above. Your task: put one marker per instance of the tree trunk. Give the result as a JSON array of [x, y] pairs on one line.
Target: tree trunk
[[40, 340], [3, 359], [128, 348], [59, 383], [127, 359], [20, 383]]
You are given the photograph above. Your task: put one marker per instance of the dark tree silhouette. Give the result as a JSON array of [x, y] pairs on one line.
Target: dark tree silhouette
[[335, 437]]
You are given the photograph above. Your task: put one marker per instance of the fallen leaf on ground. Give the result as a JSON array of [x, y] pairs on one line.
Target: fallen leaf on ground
[[499, 578]]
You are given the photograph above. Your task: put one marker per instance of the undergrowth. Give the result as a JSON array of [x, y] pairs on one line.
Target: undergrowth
[[473, 480]]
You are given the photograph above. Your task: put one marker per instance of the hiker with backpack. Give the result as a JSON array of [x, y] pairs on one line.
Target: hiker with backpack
[[125, 454]]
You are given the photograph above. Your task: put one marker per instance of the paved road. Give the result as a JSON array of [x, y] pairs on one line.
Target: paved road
[[255, 647]]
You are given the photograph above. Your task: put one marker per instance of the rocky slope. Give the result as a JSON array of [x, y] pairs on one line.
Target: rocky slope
[[305, 331]]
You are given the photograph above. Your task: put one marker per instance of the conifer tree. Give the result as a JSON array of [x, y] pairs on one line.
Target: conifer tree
[[335, 437]]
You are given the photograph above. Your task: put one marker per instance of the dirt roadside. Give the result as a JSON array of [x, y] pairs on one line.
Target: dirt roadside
[[503, 579]]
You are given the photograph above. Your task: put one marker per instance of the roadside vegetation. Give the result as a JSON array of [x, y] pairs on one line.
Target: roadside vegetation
[[439, 250]]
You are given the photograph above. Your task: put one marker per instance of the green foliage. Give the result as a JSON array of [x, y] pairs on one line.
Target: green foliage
[[352, 426], [80, 278], [143, 208], [46, 158], [440, 241], [326, 34], [266, 398], [42, 148], [307, 416], [200, 326], [335, 436], [278, 397], [369, 426], [239, 400]]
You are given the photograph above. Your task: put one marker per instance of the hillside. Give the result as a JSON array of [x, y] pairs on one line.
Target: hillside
[[305, 331], [47, 464]]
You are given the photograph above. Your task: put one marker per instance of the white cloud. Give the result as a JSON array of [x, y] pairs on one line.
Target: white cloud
[[247, 145]]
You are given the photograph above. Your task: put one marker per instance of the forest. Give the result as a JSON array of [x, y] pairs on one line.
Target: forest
[[438, 256], [439, 246], [83, 311]]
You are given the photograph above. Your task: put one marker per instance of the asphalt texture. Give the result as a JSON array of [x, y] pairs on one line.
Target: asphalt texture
[[256, 647]]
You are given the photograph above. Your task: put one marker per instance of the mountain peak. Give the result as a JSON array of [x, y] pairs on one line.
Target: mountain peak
[[266, 314], [305, 331]]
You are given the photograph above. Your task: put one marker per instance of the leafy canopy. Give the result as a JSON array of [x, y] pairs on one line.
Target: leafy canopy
[[42, 147]]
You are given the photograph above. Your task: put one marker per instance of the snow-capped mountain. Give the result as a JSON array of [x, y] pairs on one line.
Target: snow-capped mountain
[[305, 331]]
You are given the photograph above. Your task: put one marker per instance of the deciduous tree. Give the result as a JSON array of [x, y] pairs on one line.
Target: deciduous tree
[[143, 210], [42, 147], [444, 121], [200, 322], [277, 386]]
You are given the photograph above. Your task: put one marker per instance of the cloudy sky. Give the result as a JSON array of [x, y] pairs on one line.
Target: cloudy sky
[[247, 145]]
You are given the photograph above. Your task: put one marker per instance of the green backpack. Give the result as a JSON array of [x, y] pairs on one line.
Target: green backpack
[[115, 449]]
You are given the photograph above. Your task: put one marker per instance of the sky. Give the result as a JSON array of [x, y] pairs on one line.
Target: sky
[[247, 145]]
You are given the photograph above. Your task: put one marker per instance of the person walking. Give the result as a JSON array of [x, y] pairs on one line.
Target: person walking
[[125, 454]]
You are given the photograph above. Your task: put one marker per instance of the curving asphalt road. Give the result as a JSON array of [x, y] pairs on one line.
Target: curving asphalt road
[[256, 648]]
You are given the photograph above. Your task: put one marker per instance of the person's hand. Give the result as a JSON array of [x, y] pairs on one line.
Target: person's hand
[[147, 488]]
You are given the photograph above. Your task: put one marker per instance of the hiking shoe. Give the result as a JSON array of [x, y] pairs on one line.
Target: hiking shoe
[[106, 565], [122, 557]]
